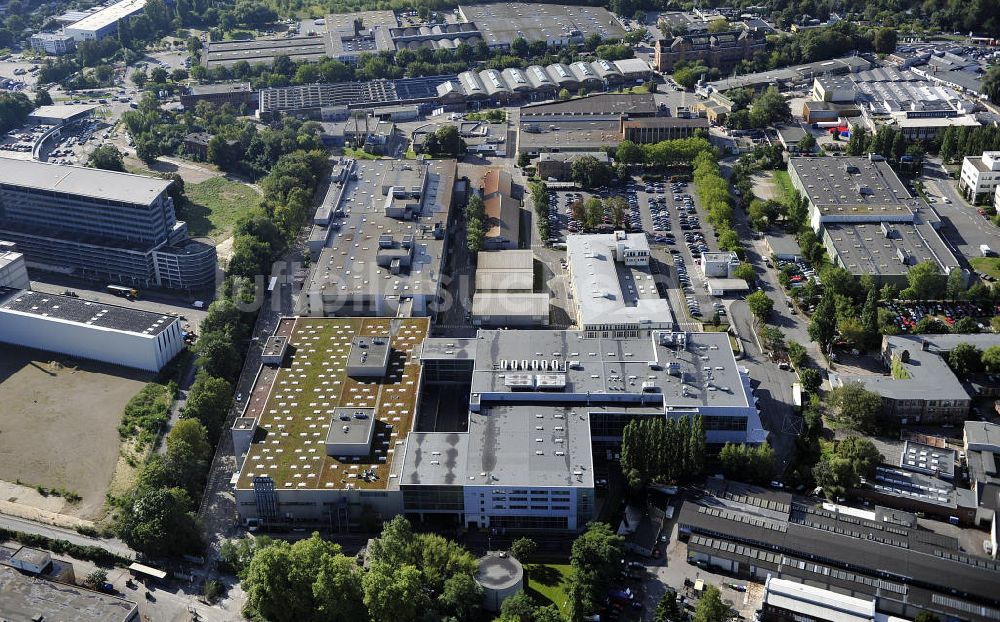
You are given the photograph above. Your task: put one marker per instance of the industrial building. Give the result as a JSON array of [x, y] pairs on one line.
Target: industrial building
[[61, 115], [502, 228], [236, 93], [327, 435], [253, 51], [54, 43], [754, 533], [105, 21], [931, 393], [100, 225], [505, 293], [980, 177], [555, 24], [378, 240], [981, 441], [788, 77], [89, 330], [793, 601], [595, 122], [614, 292], [13, 271], [559, 166], [722, 50], [334, 101], [347, 42], [32, 598], [867, 219]]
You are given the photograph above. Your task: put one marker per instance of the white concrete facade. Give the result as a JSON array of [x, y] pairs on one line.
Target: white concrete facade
[[980, 176], [13, 272], [128, 349]]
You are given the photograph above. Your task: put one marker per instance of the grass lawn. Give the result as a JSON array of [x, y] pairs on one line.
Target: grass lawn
[[213, 206], [547, 584], [784, 184], [989, 265], [359, 154]]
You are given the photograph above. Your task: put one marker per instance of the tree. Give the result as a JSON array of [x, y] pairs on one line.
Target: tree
[[523, 549], [823, 325], [835, 475], [668, 609], [518, 608], [807, 144], [217, 356], [187, 456], [448, 142], [159, 522], [853, 332], [589, 172], [96, 578], [628, 152], [930, 326], [772, 339], [965, 326], [461, 596], [885, 40], [107, 157], [862, 453], [394, 593], [768, 108], [42, 98], [14, 109], [796, 354], [858, 141], [711, 607], [926, 616], [991, 83], [955, 287], [856, 406], [811, 380], [991, 359], [869, 317], [595, 558], [564, 94], [760, 305]]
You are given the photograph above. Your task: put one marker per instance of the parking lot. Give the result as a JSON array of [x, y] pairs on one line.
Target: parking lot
[[907, 315]]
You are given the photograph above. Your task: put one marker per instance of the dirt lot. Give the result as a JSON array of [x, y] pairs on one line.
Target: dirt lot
[[58, 428]]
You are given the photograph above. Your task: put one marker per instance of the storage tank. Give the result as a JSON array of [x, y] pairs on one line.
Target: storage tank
[[501, 576]]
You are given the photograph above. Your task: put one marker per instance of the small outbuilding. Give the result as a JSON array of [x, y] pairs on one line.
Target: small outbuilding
[[501, 576]]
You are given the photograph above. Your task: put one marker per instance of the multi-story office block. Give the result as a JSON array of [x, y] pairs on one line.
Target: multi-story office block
[[101, 225]]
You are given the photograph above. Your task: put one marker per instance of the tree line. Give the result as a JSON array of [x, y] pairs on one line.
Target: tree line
[[662, 449]]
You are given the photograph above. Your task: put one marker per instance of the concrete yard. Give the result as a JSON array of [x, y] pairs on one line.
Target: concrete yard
[[59, 429]]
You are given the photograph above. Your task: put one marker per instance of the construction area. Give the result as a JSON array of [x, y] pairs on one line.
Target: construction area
[[59, 430]]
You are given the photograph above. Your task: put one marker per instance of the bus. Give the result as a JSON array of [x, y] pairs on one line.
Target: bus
[[124, 291]]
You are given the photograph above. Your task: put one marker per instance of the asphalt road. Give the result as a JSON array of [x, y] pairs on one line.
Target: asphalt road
[[57, 533], [963, 227]]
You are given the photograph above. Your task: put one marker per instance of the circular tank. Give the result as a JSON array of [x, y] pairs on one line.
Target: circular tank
[[501, 576]]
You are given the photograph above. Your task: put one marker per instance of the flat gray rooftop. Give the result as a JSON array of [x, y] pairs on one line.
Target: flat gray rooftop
[[700, 372], [863, 248], [506, 445], [599, 104], [854, 186], [348, 267], [84, 312], [81, 181], [222, 87], [265, 50], [27, 598], [608, 291], [501, 23], [930, 377]]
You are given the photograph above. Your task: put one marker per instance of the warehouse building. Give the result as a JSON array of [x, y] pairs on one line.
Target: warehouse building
[[13, 271], [333, 101], [614, 292], [931, 393], [502, 228], [382, 249], [89, 330], [792, 601], [54, 43], [253, 51], [61, 115], [327, 435], [787, 77], [867, 219], [347, 42], [236, 93], [981, 441], [754, 533], [595, 122], [105, 21], [556, 24], [559, 166], [100, 225], [32, 598], [505, 293]]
